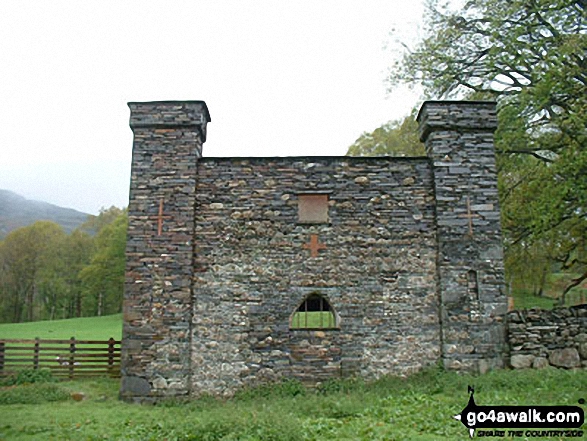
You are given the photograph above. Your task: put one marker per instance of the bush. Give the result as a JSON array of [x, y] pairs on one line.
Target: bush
[[29, 376], [33, 394], [341, 385], [284, 389]]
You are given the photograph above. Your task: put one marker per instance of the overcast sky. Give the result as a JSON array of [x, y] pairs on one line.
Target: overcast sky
[[280, 79]]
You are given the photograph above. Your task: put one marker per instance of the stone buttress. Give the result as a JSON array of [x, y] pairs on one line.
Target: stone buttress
[[168, 138], [459, 141]]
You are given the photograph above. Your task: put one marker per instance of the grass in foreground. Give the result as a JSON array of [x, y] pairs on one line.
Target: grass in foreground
[[86, 328], [419, 408]]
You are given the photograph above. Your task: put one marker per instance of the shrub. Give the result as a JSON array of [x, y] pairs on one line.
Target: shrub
[[341, 385], [283, 389], [33, 394], [29, 376]]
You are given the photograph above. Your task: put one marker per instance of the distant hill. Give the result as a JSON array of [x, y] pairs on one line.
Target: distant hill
[[17, 211]]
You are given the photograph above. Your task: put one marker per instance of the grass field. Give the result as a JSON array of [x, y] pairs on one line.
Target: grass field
[[553, 288], [313, 319], [526, 300], [419, 408], [87, 328]]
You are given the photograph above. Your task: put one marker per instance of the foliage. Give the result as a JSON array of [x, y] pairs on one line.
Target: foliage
[[417, 408], [340, 385], [47, 274], [37, 393], [530, 55], [103, 278], [395, 138], [282, 389], [27, 255], [95, 224], [29, 376]]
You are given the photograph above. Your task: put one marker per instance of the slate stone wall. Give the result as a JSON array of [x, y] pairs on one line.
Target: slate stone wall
[[157, 309], [218, 262], [252, 271], [459, 141], [541, 338]]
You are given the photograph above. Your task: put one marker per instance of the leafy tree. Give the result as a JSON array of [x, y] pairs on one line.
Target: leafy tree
[[95, 224], [103, 278], [46, 274], [529, 55], [395, 138], [64, 293], [25, 255]]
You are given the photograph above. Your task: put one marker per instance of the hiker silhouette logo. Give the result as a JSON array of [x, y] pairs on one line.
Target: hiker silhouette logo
[[475, 417]]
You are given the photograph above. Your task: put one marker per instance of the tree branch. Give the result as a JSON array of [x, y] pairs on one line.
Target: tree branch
[[574, 283]]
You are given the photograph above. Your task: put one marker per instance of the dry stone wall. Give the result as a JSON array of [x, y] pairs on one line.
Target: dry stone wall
[[541, 338], [252, 271]]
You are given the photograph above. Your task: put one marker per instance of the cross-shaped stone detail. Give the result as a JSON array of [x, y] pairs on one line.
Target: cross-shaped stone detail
[[160, 218], [314, 246]]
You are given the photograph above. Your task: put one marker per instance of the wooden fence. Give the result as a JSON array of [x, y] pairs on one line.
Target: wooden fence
[[66, 358]]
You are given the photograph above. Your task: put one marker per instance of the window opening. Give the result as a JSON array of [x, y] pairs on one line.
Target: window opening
[[314, 313], [472, 285], [313, 208]]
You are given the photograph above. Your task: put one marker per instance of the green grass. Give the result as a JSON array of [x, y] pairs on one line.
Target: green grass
[[553, 289], [419, 408], [524, 299], [87, 328], [313, 319]]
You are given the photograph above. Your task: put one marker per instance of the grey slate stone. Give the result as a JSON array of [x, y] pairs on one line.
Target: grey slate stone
[[522, 361], [567, 358], [227, 263], [136, 386]]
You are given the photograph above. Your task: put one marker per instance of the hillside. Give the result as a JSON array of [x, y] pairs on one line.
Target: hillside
[[17, 211]]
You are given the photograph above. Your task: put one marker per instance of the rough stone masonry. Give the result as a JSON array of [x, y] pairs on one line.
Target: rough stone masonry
[[223, 252]]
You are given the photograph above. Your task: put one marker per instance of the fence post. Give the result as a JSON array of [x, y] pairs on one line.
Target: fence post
[[111, 342], [1, 357], [71, 356], [36, 354]]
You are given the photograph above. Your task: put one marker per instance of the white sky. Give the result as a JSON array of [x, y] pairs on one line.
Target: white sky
[[302, 77]]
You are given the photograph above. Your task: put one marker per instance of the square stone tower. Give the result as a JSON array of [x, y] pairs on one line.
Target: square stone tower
[[168, 138], [459, 141]]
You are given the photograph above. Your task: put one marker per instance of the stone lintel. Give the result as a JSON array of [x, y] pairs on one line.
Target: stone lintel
[[463, 116], [170, 114]]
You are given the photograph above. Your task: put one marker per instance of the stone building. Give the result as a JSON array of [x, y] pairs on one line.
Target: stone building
[[247, 270]]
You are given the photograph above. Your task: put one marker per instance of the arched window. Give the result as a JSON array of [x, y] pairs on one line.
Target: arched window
[[314, 313]]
